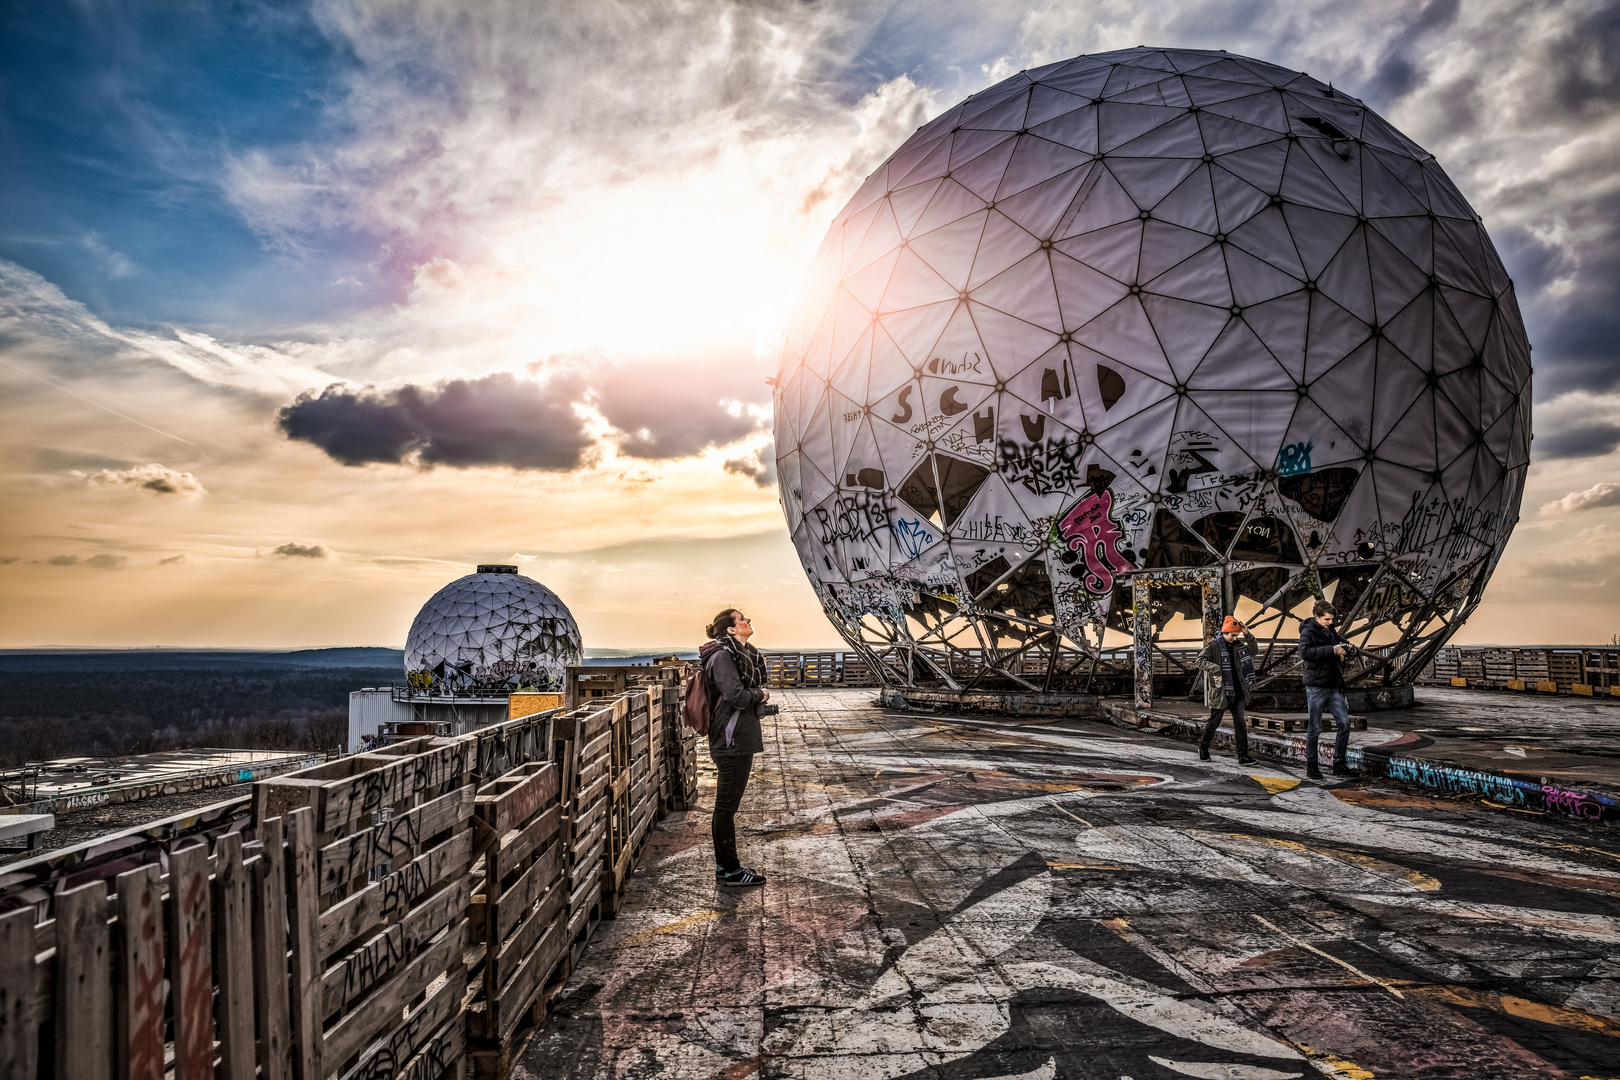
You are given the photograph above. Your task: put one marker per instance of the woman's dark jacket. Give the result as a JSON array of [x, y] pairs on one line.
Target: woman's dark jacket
[[1322, 665], [734, 724]]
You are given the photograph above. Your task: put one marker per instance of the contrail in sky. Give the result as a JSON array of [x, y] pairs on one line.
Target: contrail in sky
[[97, 404]]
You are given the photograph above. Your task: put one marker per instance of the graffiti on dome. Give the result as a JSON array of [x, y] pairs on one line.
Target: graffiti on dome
[[1090, 529], [913, 537], [1295, 459], [1043, 466]]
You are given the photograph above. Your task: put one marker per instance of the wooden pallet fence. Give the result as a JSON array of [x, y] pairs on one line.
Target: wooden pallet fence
[[619, 853], [82, 991], [520, 912], [582, 739], [680, 753], [379, 850]]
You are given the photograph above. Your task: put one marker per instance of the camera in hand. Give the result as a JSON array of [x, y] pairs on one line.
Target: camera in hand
[[768, 710]]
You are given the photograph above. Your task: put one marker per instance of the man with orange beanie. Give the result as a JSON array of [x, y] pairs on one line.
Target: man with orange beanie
[[1227, 666]]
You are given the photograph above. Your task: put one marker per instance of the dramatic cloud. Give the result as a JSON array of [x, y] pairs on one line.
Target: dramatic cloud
[[677, 411], [100, 562], [153, 477], [291, 550], [1577, 424], [759, 466], [1595, 497], [496, 420], [172, 560]]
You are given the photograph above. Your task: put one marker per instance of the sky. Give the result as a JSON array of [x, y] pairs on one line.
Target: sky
[[308, 308]]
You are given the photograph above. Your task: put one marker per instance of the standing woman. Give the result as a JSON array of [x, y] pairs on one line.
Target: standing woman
[[736, 674]]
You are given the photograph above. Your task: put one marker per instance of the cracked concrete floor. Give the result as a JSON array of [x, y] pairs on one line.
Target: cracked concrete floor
[[956, 899]]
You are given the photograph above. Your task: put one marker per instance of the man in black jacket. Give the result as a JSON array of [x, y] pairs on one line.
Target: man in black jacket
[[1323, 649]]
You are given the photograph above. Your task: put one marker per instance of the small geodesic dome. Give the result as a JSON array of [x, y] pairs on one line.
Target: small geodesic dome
[[1152, 310], [495, 629]]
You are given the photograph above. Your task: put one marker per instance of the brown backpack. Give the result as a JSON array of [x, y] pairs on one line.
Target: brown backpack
[[695, 709]]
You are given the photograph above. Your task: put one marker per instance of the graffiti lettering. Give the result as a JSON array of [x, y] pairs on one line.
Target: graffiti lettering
[[995, 530], [913, 537], [1295, 459], [940, 366], [904, 402], [1053, 465], [1090, 529], [857, 516], [948, 403]]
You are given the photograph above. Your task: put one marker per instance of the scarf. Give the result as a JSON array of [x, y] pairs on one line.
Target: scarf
[[750, 663], [1235, 689]]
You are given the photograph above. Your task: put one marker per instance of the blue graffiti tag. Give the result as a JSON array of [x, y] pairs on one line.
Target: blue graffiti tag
[[913, 537], [1295, 459]]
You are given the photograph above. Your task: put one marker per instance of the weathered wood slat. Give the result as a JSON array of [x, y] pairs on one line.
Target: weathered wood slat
[[19, 1041], [139, 996], [350, 860], [531, 884], [391, 896], [303, 922], [398, 784], [191, 968], [511, 950], [382, 955], [447, 1046], [84, 1013], [383, 1059], [270, 985], [233, 928], [530, 977], [505, 810], [519, 844], [371, 1016]]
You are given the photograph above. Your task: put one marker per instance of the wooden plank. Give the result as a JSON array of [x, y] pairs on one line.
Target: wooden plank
[[233, 928], [350, 860], [139, 997], [508, 809], [303, 921], [191, 968], [397, 784], [19, 1028], [530, 886], [270, 986], [513, 949], [519, 844], [351, 1033], [381, 1061], [83, 1013], [392, 896], [379, 957], [443, 1050], [530, 977]]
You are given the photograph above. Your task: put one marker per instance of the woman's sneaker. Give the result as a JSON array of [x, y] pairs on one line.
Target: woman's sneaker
[[745, 876]]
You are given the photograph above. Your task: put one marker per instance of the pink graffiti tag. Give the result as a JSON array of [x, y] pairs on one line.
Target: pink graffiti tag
[[1090, 528]]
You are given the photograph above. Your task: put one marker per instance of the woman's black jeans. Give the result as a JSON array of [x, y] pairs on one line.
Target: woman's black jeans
[[733, 770]]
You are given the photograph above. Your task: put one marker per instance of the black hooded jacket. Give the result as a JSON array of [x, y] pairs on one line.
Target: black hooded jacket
[[734, 724], [1322, 665]]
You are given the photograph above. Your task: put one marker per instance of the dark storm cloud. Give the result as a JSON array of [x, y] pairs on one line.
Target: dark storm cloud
[[1590, 441], [495, 420]]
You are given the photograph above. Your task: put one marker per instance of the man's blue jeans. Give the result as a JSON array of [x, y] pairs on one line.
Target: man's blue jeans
[[1316, 699]]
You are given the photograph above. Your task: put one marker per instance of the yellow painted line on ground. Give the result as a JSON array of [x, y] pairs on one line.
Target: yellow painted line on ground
[[1275, 784], [670, 928], [1523, 1008], [1348, 1070], [1308, 947]]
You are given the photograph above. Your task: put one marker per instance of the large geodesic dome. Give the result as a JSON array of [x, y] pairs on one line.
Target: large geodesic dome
[[495, 629], [1165, 318]]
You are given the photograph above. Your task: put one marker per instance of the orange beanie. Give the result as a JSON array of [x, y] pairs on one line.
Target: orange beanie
[[1231, 626]]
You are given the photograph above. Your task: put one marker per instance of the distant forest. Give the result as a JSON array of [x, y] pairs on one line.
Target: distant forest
[[113, 703]]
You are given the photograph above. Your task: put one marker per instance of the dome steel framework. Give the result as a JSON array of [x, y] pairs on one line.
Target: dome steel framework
[[1145, 333], [495, 629]]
